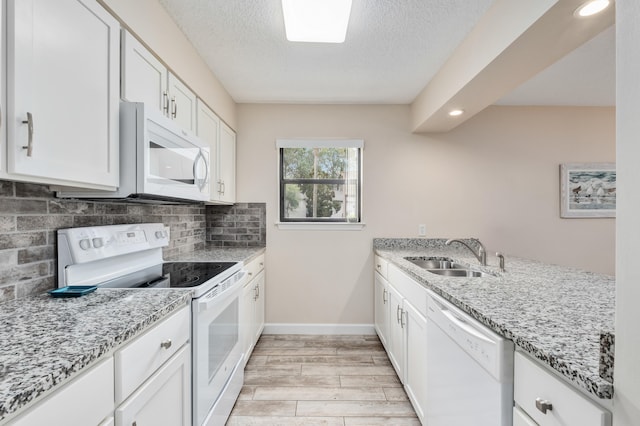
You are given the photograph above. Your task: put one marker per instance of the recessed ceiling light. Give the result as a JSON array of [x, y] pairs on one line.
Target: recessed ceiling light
[[456, 112], [320, 21], [591, 8]]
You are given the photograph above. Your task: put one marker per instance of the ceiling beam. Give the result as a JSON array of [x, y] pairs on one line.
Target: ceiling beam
[[512, 42]]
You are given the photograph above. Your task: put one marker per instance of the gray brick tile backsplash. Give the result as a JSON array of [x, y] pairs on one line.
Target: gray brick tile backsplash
[[30, 215], [240, 225]]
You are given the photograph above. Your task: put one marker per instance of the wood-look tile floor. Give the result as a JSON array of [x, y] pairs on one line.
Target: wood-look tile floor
[[321, 380]]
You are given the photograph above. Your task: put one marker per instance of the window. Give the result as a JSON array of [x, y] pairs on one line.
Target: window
[[320, 180]]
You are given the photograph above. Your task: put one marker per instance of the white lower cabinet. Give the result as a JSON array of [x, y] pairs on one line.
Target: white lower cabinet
[[401, 323], [164, 399], [520, 418], [381, 307], [252, 307], [396, 342], [415, 382], [86, 400], [546, 400], [153, 375]]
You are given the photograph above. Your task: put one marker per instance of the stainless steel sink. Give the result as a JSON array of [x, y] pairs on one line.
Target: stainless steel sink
[[445, 267], [458, 273], [434, 263]]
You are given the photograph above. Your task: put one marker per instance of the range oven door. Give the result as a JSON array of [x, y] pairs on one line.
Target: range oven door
[[217, 352], [174, 162]]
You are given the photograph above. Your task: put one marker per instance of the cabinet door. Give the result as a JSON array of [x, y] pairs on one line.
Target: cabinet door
[[381, 307], [227, 164], [259, 308], [416, 366], [63, 101], [247, 315], [395, 348], [144, 77], [208, 129], [182, 104], [164, 399]]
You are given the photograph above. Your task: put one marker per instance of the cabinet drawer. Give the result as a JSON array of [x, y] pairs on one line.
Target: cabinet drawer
[[141, 358], [568, 407], [520, 418], [255, 266], [381, 265]]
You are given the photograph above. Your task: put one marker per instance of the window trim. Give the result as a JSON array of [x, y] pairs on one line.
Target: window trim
[[325, 223]]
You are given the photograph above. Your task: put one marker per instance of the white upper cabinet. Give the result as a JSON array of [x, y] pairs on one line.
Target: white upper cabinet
[[146, 79], [222, 140], [226, 177], [182, 104], [62, 102]]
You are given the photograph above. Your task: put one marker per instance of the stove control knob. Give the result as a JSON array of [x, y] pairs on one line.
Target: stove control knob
[[161, 234], [85, 244], [98, 242]]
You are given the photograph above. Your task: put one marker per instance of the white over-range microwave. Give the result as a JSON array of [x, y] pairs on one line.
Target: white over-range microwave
[[159, 161]]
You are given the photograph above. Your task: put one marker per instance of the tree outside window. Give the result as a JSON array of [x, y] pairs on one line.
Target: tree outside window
[[320, 183]]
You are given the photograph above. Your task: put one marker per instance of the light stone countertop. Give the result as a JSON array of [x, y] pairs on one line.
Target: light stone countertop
[[47, 340], [555, 314], [218, 254]]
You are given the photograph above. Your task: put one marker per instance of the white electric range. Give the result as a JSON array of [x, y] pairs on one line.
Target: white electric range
[[130, 256]]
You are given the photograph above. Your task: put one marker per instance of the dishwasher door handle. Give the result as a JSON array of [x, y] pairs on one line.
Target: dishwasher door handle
[[462, 324]]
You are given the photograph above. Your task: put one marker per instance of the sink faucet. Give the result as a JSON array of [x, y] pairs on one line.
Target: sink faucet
[[481, 255]]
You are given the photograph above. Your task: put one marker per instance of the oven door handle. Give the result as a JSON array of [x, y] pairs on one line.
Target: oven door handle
[[205, 303]]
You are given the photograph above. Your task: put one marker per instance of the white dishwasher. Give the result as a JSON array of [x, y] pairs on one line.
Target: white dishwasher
[[469, 370]]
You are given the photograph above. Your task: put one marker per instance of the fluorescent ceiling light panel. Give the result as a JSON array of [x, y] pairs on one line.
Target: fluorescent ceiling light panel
[[319, 21]]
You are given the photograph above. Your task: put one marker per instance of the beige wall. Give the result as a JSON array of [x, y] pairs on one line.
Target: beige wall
[[153, 25], [495, 177]]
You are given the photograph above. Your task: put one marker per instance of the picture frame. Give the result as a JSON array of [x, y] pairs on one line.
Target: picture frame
[[588, 190]]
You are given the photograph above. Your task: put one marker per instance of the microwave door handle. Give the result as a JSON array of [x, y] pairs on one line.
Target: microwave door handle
[[200, 182]]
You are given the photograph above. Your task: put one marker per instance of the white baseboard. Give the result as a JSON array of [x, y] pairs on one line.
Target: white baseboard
[[326, 329]]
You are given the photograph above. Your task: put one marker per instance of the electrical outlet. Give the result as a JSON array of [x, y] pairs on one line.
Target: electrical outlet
[[422, 230]]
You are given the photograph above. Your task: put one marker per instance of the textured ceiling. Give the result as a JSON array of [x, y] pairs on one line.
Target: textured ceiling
[[392, 50]]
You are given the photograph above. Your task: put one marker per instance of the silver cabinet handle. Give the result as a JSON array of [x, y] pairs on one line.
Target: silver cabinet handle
[[219, 187], [166, 344], [543, 405], [174, 110], [224, 187], [165, 102], [378, 266], [398, 313], [403, 315], [258, 288], [29, 123], [384, 296]]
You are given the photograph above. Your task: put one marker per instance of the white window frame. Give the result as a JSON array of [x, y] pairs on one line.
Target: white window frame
[[320, 143]]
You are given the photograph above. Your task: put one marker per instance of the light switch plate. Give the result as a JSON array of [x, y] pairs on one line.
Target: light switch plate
[[422, 230]]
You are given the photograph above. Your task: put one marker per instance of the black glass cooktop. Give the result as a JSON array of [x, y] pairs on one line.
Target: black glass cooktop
[[193, 274]]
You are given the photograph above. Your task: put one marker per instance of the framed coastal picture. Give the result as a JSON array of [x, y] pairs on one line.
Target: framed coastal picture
[[587, 190]]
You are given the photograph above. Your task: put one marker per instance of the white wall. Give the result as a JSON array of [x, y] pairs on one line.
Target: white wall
[[627, 370], [495, 177]]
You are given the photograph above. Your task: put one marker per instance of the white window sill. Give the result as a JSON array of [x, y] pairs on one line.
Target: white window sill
[[320, 226]]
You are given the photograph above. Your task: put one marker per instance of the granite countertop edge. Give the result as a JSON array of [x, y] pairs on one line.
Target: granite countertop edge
[[572, 372]]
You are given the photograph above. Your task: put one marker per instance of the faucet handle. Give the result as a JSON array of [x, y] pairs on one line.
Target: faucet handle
[[500, 257]]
